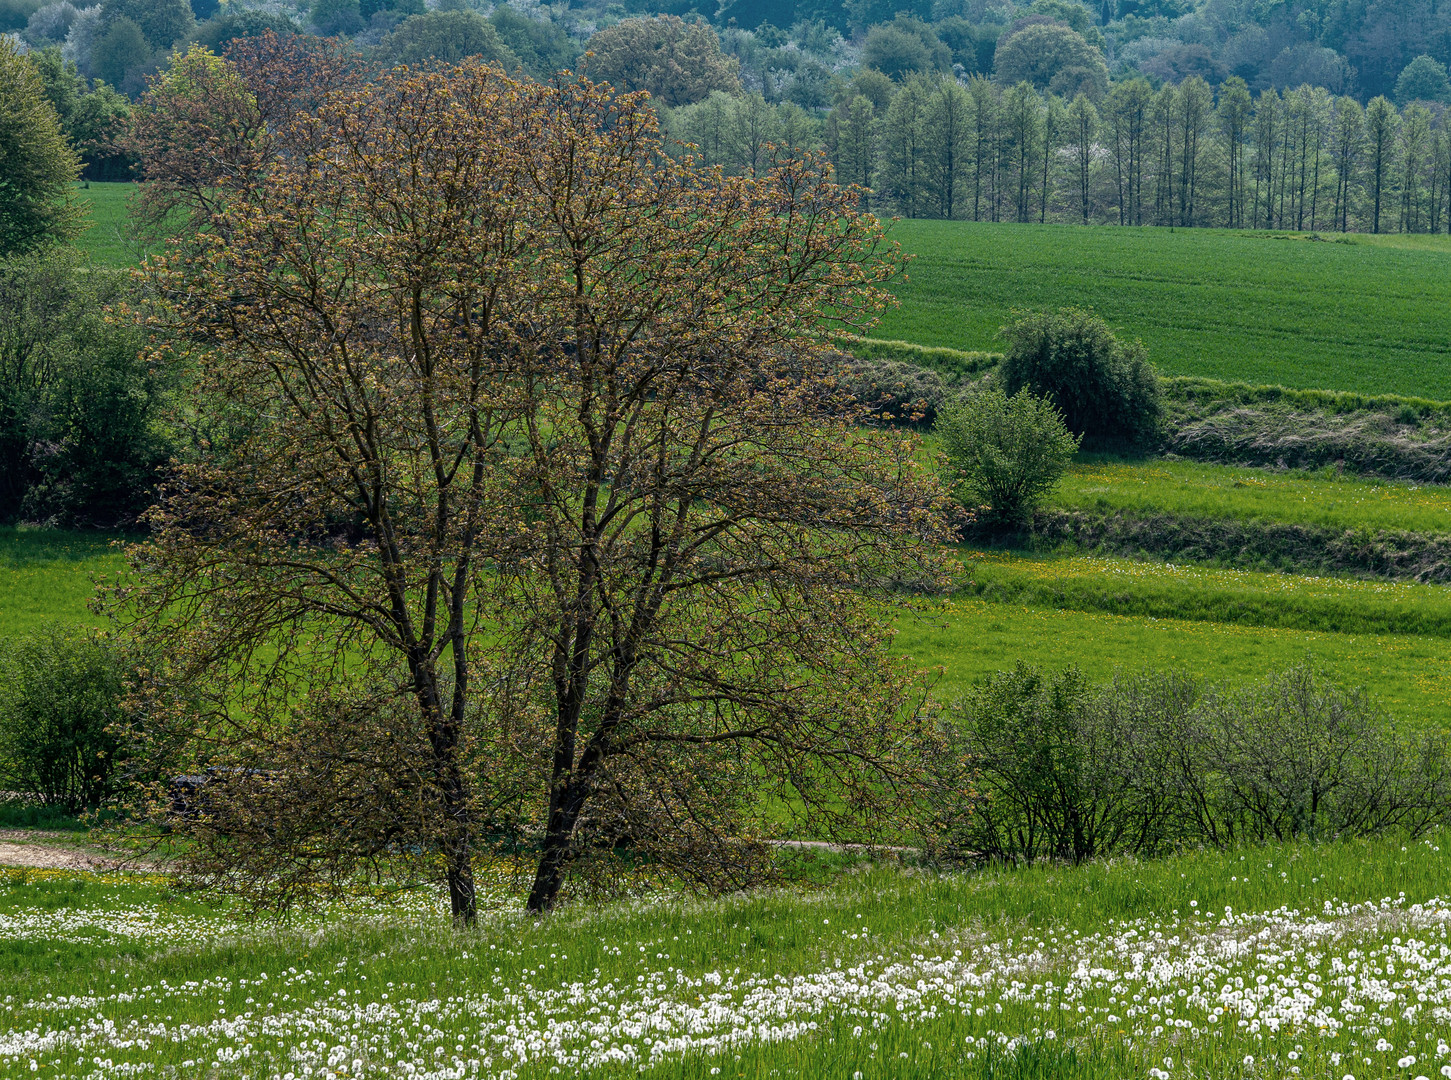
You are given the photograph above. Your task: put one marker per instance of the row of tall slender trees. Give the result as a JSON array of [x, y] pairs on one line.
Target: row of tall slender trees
[[1184, 155]]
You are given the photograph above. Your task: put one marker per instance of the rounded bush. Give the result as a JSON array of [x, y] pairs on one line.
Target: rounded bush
[[61, 694], [1105, 388]]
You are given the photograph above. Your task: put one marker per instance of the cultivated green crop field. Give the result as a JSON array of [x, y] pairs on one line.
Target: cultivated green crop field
[[1367, 314]]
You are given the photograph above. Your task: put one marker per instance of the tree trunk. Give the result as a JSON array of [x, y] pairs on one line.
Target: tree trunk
[[443, 737], [553, 858]]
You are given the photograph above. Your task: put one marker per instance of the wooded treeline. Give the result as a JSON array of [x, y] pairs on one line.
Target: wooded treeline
[[1183, 155]]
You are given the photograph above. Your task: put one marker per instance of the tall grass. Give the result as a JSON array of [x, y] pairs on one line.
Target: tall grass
[[1194, 489], [1243, 597]]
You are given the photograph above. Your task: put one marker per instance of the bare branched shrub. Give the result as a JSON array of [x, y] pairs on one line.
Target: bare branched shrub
[[1148, 762], [1296, 756]]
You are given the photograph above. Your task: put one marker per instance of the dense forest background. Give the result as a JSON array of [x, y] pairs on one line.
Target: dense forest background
[[1306, 114]]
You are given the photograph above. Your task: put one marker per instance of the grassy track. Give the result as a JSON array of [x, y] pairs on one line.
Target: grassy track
[[891, 974], [969, 638], [104, 239], [1368, 315], [1194, 489]]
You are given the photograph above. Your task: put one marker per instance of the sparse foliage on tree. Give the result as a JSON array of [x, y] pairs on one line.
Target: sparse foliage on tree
[[539, 514]]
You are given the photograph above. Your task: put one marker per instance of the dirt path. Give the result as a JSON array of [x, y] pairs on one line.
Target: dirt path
[[39, 850]]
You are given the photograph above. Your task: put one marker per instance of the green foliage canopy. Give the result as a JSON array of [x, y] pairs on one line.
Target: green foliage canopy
[[162, 22], [903, 47], [37, 167], [1104, 387], [1050, 55], [1423, 79], [446, 37], [61, 691], [121, 55], [678, 63], [1005, 452]]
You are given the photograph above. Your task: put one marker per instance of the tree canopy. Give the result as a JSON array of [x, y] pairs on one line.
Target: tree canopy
[[1050, 55], [674, 61], [446, 37], [539, 513], [162, 22], [1424, 79], [903, 47], [37, 166]]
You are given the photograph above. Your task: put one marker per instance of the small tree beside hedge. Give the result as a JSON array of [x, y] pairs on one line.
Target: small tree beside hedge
[[1105, 388], [1005, 453]]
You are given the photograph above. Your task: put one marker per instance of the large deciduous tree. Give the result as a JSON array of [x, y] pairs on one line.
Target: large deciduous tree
[[37, 167], [675, 61], [532, 509]]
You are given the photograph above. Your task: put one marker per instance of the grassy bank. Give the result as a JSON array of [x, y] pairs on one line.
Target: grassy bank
[[1195, 489], [1366, 315], [1205, 594], [1105, 970]]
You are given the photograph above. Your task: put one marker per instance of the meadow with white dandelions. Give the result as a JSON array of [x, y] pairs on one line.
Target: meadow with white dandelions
[[1262, 966], [516, 563]]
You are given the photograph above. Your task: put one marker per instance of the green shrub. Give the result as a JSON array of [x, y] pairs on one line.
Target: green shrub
[[1005, 453], [1105, 388], [80, 431], [1149, 762], [1067, 770], [61, 694]]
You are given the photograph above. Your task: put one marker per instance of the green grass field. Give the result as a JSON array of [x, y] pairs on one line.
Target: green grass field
[[1202, 594], [1196, 489], [49, 576], [105, 237], [1225, 965], [1367, 315], [968, 639], [1222, 624]]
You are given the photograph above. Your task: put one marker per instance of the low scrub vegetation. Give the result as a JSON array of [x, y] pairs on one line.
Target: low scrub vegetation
[[1148, 762]]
